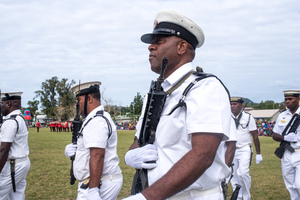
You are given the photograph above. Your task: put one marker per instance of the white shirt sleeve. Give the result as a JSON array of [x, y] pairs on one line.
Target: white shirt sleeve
[[8, 131], [252, 124], [95, 133]]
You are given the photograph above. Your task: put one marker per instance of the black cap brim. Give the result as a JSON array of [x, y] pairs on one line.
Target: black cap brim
[[148, 38], [170, 29]]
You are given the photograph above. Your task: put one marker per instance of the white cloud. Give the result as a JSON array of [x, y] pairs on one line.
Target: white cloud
[[252, 46]]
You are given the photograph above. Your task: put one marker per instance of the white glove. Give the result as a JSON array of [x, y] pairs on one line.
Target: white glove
[[291, 137], [138, 196], [258, 158], [138, 158], [70, 150], [94, 194]]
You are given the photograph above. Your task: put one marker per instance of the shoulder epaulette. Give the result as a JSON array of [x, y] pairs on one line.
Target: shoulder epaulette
[[247, 113]]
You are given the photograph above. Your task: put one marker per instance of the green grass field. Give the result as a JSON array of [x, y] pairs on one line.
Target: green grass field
[[48, 177]]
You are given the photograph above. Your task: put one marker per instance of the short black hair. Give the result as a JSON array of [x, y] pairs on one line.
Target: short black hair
[[96, 95]]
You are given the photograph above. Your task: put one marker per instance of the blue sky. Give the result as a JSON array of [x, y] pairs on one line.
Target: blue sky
[[252, 46]]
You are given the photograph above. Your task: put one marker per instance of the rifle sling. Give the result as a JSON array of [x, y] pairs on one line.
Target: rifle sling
[[99, 113], [172, 89], [285, 131], [284, 144], [237, 120], [201, 75]]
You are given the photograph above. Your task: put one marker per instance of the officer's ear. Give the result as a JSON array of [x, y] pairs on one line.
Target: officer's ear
[[9, 104], [182, 46], [90, 99]]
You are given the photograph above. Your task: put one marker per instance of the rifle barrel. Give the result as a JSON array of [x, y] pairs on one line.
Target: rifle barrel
[[160, 79]]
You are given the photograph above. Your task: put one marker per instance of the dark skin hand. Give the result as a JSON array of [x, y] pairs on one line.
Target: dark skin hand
[[230, 151], [256, 141], [277, 137]]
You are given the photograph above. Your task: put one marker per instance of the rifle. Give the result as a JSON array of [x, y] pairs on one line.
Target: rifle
[[155, 103], [224, 185], [290, 128], [235, 193], [76, 127]]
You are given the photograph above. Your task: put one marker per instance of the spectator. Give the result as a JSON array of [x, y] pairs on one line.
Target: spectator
[[38, 124]]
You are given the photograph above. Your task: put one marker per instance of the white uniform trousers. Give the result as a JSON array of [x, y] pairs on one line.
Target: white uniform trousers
[[109, 189], [290, 165], [241, 175], [191, 196], [6, 189]]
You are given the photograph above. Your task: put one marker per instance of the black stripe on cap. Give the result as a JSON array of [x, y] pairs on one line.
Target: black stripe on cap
[[7, 97], [239, 100], [167, 28], [91, 89], [291, 95]]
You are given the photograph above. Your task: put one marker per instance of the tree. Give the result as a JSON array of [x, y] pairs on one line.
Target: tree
[[113, 110], [66, 100], [124, 110], [281, 106], [268, 104], [137, 105], [248, 102], [107, 101], [47, 96], [33, 107], [56, 94]]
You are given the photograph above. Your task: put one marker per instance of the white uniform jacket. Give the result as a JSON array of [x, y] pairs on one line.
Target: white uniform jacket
[[208, 110], [19, 140], [281, 122], [95, 134], [243, 135]]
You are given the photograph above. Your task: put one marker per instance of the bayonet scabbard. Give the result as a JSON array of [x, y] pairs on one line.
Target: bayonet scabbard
[[12, 173]]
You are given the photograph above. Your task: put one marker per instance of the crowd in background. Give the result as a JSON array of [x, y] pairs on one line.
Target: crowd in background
[[125, 125], [58, 126], [265, 128]]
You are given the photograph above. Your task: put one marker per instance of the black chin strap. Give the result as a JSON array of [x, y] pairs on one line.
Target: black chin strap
[[85, 105]]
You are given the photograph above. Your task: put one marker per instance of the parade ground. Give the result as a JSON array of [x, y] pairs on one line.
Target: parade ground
[[49, 175]]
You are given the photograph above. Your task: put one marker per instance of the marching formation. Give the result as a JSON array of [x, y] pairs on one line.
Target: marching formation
[[191, 140]]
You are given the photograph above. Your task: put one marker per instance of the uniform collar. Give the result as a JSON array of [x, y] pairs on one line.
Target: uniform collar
[[93, 113], [177, 75], [237, 115], [15, 112], [241, 112], [297, 111]]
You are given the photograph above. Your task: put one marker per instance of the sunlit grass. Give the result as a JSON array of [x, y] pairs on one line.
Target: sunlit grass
[[48, 177]]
